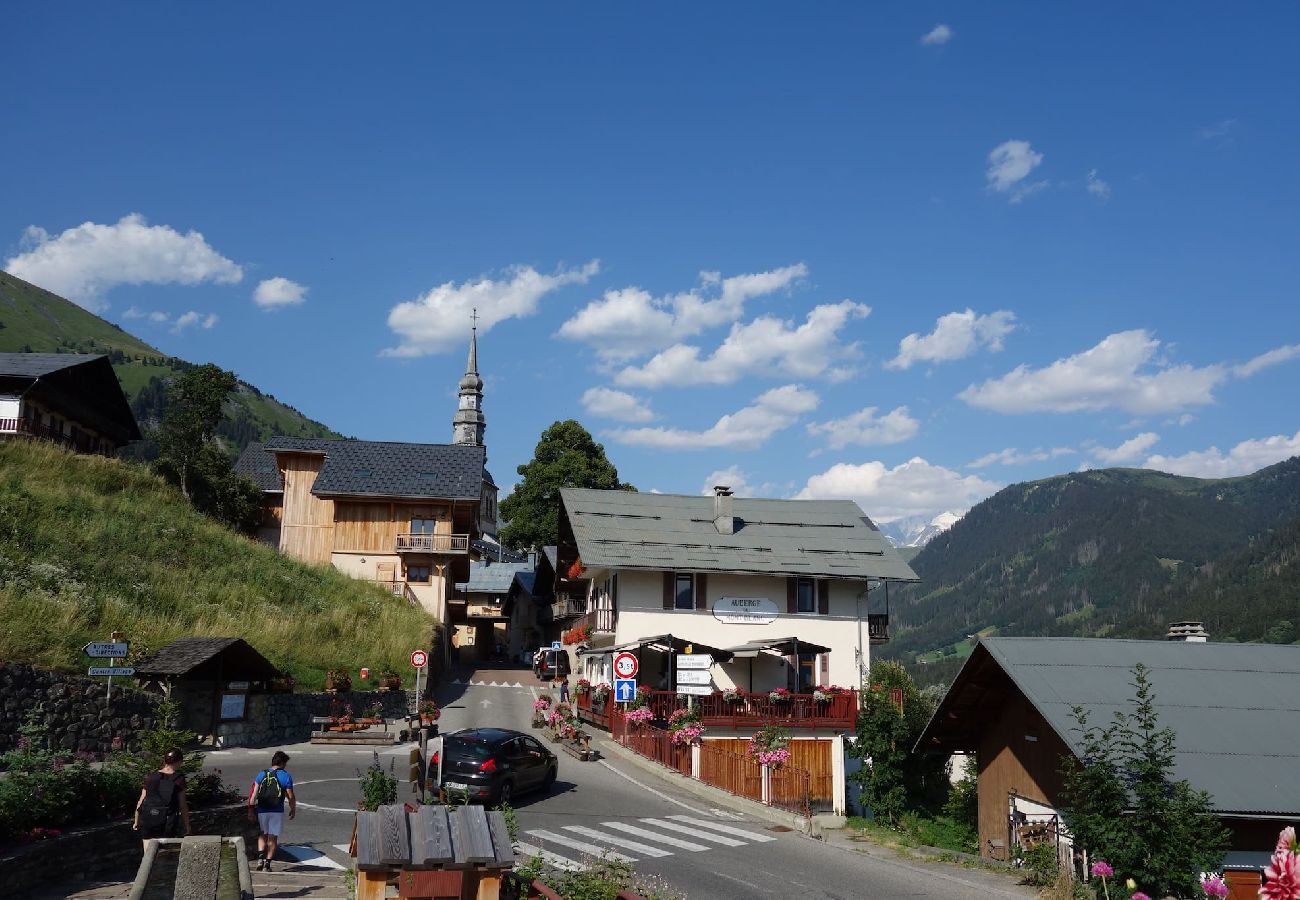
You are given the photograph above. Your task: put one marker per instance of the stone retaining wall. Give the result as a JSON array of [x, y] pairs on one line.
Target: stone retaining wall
[[75, 709], [275, 719], [104, 852]]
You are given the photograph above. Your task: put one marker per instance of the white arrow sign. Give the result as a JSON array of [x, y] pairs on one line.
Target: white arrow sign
[[699, 690], [694, 676], [694, 661], [111, 670], [107, 649]]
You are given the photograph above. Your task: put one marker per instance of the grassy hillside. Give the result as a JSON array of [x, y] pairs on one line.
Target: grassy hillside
[[90, 545], [1115, 552], [34, 320]]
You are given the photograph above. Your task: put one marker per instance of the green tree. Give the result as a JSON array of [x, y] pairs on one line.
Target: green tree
[[1123, 806], [566, 456]]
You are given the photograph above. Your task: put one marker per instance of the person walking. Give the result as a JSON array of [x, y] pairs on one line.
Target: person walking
[[162, 800], [564, 690], [266, 801]]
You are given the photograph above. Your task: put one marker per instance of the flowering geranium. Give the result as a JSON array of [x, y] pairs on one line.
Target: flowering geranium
[[582, 687], [1138, 895], [685, 725], [1102, 869], [778, 695], [1282, 877], [770, 746], [821, 695], [541, 704], [600, 691], [639, 716], [732, 695], [687, 735], [1214, 886]]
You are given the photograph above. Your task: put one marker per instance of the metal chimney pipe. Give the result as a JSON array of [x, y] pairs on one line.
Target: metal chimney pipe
[[723, 518]]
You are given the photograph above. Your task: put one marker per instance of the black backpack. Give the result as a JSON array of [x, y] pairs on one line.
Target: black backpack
[[270, 793], [158, 802]]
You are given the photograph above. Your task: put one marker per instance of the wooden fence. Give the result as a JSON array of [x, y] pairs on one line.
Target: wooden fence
[[733, 772], [656, 744]]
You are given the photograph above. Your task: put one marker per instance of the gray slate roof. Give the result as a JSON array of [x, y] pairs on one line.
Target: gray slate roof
[[184, 655], [1234, 707], [259, 465], [828, 538], [380, 468], [492, 578], [37, 365]]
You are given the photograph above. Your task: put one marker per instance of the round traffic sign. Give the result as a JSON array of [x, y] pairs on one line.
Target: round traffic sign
[[626, 665], [419, 659]]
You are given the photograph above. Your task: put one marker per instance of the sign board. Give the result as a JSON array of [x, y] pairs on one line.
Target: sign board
[[232, 706], [745, 610], [624, 689], [626, 666], [107, 649], [693, 676], [111, 671], [419, 659], [556, 645], [699, 690], [693, 661]]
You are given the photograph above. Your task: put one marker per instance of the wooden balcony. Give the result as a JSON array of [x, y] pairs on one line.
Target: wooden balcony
[[456, 544], [568, 608], [601, 621], [749, 714], [878, 628], [78, 440]]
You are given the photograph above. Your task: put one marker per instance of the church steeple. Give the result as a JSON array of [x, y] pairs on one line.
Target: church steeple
[[468, 425]]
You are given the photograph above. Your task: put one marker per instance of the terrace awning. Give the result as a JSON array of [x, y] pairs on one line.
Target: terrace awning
[[788, 646], [664, 643]]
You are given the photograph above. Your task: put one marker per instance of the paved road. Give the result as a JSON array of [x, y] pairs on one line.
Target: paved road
[[698, 848]]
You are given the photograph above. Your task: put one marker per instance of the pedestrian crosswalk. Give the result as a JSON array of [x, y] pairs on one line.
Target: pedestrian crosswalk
[[630, 841]]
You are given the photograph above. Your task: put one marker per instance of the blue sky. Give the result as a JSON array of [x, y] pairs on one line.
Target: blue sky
[[907, 254]]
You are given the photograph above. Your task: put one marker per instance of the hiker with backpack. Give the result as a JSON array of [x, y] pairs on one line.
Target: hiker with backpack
[[270, 789], [161, 799]]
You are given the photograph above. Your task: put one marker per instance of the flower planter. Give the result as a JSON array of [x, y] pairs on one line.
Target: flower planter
[[391, 684]]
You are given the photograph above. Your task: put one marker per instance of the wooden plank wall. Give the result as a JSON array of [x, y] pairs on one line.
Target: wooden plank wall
[[815, 756], [307, 532], [373, 527]]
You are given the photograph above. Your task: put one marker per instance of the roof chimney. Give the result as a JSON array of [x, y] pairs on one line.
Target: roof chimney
[[1190, 632], [723, 519]]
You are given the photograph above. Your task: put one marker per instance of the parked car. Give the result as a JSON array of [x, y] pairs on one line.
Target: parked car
[[552, 664], [493, 764]]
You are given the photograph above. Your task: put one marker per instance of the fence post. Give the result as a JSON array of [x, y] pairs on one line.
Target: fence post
[[695, 761], [767, 784]]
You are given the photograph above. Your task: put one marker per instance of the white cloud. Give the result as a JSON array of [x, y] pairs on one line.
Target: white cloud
[[1105, 377], [1098, 188], [618, 405], [914, 488], [738, 480], [191, 318], [159, 317], [630, 322], [937, 36], [1010, 456], [765, 346], [84, 262], [866, 428], [955, 336], [1128, 451], [1264, 360], [132, 312], [745, 429], [276, 292], [1009, 165], [440, 320], [1246, 457]]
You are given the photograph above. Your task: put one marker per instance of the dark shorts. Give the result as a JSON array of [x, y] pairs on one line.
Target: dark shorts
[[167, 829]]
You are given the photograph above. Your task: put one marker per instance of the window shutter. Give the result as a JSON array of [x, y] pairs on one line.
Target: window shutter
[[669, 586], [823, 597], [701, 587], [792, 595]]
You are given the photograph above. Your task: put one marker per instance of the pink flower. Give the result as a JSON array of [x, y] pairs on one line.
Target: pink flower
[[1214, 886], [1102, 869], [1286, 839], [1282, 877], [1140, 896]]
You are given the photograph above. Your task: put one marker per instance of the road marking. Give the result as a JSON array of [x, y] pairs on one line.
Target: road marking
[[695, 832], [309, 856], [551, 859], [656, 836], [725, 829], [723, 814], [635, 846], [646, 787], [328, 752], [517, 684], [352, 811], [592, 849]]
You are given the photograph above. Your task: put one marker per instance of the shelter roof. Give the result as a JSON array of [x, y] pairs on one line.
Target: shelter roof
[[781, 646], [198, 655], [1233, 707], [664, 643], [828, 538]]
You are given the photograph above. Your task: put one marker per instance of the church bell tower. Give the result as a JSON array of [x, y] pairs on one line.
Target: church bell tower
[[468, 424]]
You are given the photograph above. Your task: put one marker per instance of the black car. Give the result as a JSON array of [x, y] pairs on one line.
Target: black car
[[494, 764], [552, 664]]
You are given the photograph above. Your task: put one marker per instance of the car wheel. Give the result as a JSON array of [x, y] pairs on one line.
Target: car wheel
[[505, 793], [549, 781]]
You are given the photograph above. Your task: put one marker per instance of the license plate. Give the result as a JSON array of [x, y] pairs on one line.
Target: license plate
[[456, 786]]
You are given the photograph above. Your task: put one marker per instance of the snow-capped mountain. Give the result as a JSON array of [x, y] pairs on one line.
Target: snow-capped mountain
[[916, 531]]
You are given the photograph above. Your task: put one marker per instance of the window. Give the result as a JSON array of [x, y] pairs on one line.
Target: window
[[421, 525], [807, 595], [418, 574], [684, 598]]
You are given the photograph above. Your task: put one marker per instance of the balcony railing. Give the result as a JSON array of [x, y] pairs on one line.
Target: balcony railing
[[750, 713], [878, 628], [568, 607], [395, 588], [433, 543], [79, 440], [600, 620]]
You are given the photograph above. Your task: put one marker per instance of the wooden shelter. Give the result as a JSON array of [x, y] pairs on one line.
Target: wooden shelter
[[210, 678]]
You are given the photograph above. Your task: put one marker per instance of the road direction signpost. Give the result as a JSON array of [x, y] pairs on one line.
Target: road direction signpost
[[624, 690], [110, 671], [698, 690], [693, 676], [694, 661], [114, 650], [107, 649], [626, 665]]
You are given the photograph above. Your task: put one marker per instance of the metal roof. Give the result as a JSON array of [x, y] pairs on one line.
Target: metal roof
[[390, 468], [664, 643], [492, 577], [829, 538], [1235, 708], [781, 646]]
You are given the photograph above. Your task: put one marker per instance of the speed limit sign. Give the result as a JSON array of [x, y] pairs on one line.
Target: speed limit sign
[[625, 665], [419, 659]]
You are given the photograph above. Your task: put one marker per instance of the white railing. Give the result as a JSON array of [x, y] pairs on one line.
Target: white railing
[[433, 543]]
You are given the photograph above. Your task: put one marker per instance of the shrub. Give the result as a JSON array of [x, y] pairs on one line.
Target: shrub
[[378, 787]]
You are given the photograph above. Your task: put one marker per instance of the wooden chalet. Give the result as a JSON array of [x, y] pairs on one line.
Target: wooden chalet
[[67, 398]]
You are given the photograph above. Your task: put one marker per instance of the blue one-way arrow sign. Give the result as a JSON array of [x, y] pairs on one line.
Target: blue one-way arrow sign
[[624, 689]]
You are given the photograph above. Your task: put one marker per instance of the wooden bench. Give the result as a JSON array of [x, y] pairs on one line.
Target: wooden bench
[[432, 852]]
